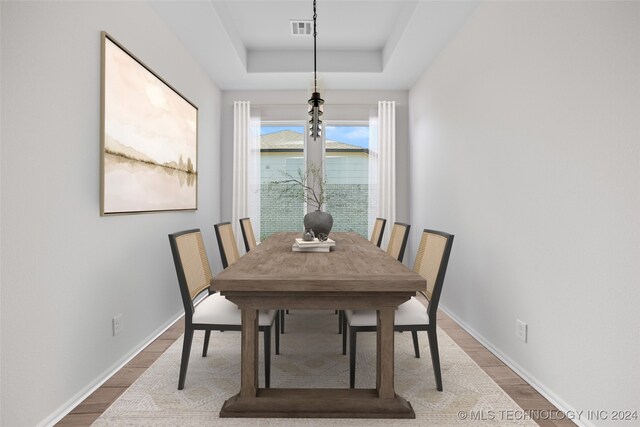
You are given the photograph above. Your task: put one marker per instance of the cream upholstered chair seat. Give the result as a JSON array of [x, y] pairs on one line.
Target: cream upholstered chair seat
[[412, 312], [431, 263], [217, 310]]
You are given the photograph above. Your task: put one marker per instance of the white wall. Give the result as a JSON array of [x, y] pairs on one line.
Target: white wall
[[525, 143], [339, 105], [66, 271]]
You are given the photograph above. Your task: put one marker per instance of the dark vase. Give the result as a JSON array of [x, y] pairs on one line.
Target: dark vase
[[320, 222]]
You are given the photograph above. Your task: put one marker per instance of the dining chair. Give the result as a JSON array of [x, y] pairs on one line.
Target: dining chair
[[249, 243], [378, 231], [227, 244], [247, 234], [398, 240], [213, 312], [395, 248], [431, 263]]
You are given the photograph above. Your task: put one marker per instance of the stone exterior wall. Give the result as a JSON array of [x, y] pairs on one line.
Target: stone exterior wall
[[280, 213], [349, 206]]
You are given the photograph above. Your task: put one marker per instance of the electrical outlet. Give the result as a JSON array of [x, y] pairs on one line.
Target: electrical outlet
[[118, 324], [521, 330]]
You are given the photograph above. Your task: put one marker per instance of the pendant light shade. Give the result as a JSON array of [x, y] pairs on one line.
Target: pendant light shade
[[315, 124]]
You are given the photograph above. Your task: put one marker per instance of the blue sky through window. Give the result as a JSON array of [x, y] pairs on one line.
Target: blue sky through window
[[355, 135], [267, 129]]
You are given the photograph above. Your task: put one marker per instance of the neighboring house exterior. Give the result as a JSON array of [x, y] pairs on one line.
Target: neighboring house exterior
[[346, 169]]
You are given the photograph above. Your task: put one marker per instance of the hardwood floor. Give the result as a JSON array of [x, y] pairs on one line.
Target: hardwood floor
[[521, 392]]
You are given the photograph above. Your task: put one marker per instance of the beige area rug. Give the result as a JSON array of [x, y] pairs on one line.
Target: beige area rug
[[310, 355]]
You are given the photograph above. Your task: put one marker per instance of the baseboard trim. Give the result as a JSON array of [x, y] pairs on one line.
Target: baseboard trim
[[83, 394], [533, 381]]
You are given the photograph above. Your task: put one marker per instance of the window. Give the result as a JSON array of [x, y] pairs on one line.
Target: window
[[347, 171], [281, 150], [346, 167]]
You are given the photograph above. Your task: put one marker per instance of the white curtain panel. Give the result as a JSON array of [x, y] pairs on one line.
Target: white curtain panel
[[383, 166], [246, 168], [374, 185], [254, 171]]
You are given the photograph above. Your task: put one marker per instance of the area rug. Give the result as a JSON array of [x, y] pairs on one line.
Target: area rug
[[311, 355]]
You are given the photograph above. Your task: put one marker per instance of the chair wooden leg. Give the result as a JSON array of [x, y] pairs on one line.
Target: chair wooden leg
[[352, 357], [340, 319], [344, 332], [267, 357], [186, 351], [416, 346], [205, 347], [278, 332], [435, 357], [282, 321]]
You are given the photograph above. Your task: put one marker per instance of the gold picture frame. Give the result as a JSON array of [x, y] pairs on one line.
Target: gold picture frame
[[149, 138]]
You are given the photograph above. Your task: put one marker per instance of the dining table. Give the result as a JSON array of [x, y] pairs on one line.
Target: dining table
[[355, 274]]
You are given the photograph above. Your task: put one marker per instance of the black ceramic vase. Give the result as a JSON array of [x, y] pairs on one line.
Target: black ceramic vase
[[320, 222]]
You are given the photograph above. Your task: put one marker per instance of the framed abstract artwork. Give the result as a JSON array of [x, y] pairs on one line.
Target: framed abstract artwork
[[149, 138]]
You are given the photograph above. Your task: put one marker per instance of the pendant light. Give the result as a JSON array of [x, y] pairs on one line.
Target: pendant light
[[315, 102]]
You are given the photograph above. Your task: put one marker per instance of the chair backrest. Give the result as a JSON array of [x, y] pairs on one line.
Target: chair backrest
[[431, 263], [227, 244], [398, 240], [247, 234], [192, 266], [378, 231]]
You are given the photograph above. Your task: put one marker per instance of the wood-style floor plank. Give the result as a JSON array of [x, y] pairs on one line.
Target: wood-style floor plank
[[160, 345], [99, 400], [144, 359], [528, 398], [503, 375], [78, 420], [564, 423], [175, 331], [447, 324], [124, 377], [484, 358]]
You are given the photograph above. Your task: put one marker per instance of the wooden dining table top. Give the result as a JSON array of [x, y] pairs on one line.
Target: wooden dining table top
[[354, 264]]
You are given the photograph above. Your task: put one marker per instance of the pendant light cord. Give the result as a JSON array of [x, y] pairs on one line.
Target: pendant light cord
[[315, 71]]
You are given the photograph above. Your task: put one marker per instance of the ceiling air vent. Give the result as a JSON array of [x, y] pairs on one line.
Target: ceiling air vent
[[301, 28]]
